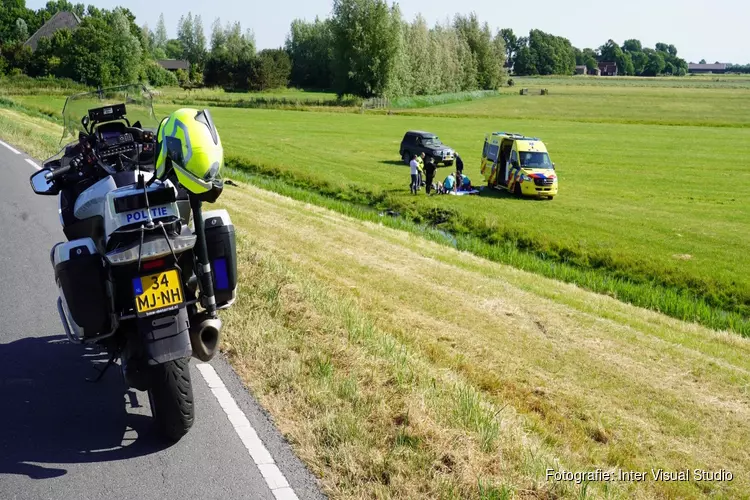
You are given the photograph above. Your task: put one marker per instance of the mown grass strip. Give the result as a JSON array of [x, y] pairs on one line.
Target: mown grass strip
[[672, 301], [366, 410], [425, 101], [577, 119], [269, 103], [33, 112]]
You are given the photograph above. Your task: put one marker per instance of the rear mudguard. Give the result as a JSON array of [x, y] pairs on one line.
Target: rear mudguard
[[165, 337], [156, 340]]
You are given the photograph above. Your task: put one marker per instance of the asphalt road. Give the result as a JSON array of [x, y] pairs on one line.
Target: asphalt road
[[64, 438]]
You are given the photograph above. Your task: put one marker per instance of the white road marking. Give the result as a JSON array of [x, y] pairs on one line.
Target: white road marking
[[269, 470], [33, 164], [10, 147]]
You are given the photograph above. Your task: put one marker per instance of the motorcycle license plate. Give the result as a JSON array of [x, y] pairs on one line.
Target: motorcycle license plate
[[157, 291]]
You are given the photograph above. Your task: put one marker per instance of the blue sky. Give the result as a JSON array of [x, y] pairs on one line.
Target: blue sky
[[714, 30]]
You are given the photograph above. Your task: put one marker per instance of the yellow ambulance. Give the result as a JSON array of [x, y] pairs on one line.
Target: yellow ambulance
[[518, 164]]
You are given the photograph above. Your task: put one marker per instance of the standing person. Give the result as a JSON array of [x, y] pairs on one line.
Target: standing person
[[459, 164], [421, 170], [429, 170], [414, 164]]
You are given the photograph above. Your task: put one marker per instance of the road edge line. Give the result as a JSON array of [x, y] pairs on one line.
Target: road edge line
[[10, 147], [32, 163], [271, 473]]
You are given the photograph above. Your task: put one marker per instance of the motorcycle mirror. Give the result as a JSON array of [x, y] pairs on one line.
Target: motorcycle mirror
[[41, 185]]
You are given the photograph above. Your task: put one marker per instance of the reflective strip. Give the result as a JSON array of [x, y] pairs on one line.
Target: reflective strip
[[207, 268], [203, 184], [186, 139], [211, 301]]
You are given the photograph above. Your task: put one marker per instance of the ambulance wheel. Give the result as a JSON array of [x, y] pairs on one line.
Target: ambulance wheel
[[517, 190], [448, 163]]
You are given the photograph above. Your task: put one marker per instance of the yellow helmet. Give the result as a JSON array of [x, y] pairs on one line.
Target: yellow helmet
[[187, 140]]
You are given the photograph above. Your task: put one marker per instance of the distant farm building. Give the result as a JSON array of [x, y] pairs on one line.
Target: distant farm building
[[582, 70], [719, 68], [174, 64], [608, 68], [61, 20]]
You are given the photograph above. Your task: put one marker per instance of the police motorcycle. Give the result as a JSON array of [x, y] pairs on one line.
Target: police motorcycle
[[144, 270]]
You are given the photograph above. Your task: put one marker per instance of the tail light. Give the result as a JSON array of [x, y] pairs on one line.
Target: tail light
[[152, 264]]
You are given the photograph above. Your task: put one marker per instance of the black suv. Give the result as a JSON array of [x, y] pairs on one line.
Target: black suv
[[418, 141]]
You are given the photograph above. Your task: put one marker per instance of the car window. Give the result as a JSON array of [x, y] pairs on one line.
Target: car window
[[535, 159], [484, 150], [492, 153], [513, 156]]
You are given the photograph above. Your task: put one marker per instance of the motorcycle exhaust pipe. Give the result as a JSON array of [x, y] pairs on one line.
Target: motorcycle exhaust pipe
[[204, 337]]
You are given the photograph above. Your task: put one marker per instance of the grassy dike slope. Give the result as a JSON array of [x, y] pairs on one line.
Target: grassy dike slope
[[399, 368]]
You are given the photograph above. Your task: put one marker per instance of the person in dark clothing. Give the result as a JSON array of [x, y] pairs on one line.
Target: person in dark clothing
[[459, 164], [429, 170]]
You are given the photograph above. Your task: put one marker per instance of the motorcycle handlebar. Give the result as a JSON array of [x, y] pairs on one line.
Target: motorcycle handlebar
[[58, 172]]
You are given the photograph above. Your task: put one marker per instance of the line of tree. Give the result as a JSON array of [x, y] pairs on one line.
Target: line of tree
[[544, 54], [109, 48], [738, 68], [365, 48]]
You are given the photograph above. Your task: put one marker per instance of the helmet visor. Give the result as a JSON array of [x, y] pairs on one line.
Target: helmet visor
[[174, 150]]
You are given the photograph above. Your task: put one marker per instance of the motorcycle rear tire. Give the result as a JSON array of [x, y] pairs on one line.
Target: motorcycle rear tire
[[171, 398]]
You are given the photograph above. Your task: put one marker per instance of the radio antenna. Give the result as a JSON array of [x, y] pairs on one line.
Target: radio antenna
[[142, 184]]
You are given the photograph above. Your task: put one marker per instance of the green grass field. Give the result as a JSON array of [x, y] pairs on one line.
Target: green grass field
[[653, 177], [689, 106]]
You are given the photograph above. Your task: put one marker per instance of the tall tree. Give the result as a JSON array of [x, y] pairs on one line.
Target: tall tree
[[365, 46], [632, 45], [229, 64], [125, 49], [174, 49], [21, 31], [419, 50], [526, 62], [161, 37], [270, 70], [656, 62], [147, 40], [89, 57], [310, 47], [186, 35], [479, 38], [662, 47], [511, 45], [610, 51], [218, 35], [199, 39], [546, 55], [499, 51]]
